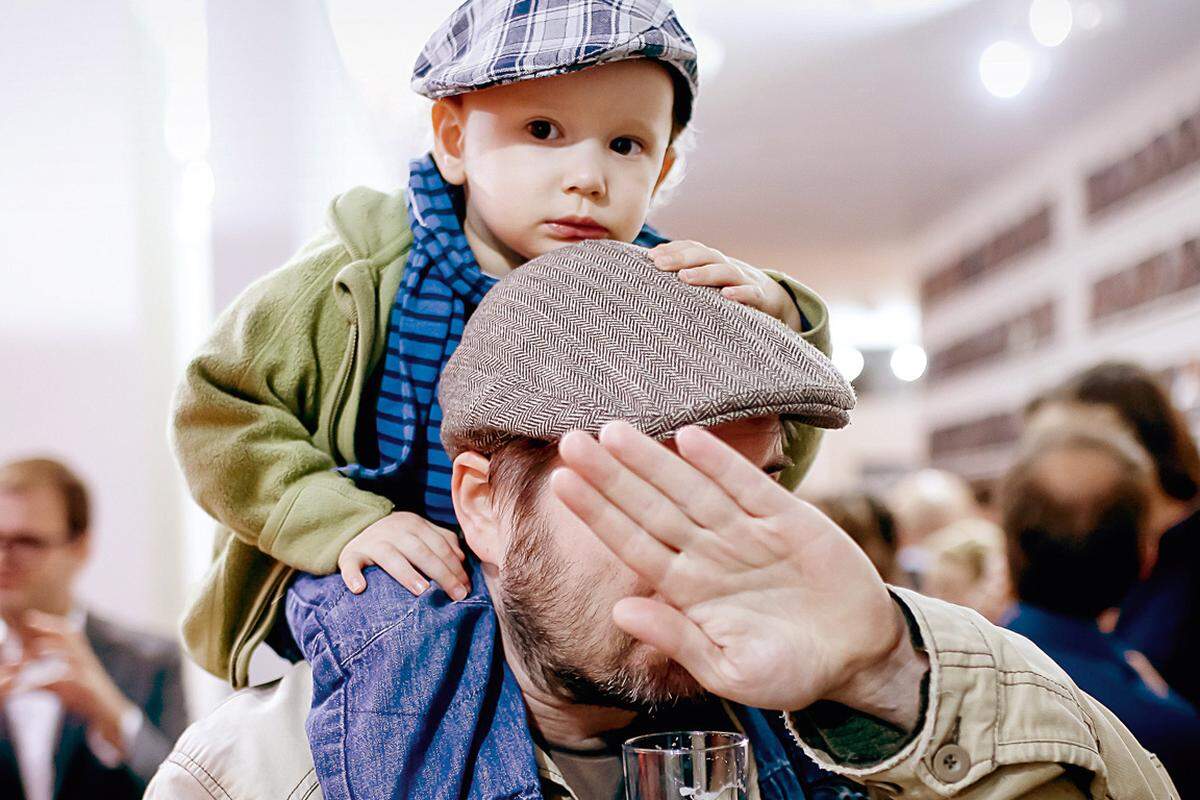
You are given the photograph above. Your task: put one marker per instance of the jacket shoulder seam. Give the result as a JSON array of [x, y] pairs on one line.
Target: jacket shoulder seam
[[300, 784], [192, 767]]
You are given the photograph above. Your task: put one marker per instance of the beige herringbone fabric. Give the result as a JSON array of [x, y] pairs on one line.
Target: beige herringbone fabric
[[594, 332]]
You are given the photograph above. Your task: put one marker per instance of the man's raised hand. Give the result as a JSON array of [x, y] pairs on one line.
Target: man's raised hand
[[756, 593]]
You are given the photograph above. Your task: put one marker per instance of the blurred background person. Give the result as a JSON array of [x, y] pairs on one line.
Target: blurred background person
[[869, 523], [923, 503], [90, 708], [1073, 507], [966, 565], [1161, 615]]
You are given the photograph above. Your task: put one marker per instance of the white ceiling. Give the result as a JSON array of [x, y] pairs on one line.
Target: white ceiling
[[831, 131], [835, 129]]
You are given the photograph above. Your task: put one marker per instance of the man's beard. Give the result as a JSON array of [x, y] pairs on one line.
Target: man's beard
[[567, 645]]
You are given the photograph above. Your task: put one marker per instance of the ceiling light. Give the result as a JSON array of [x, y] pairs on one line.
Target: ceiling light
[[1005, 69], [849, 361], [1050, 21], [908, 362]]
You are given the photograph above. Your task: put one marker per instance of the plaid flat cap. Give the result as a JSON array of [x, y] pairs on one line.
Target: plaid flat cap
[[594, 332], [490, 42]]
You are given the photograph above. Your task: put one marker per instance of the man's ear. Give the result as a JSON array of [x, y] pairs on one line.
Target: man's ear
[[449, 131], [473, 506], [668, 162]]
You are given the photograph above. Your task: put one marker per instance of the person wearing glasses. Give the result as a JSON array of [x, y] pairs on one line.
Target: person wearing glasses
[[87, 708]]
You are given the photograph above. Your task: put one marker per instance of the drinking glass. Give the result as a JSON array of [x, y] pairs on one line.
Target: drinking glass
[[686, 765]]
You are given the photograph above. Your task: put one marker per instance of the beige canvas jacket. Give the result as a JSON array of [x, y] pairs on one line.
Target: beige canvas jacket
[[1002, 721]]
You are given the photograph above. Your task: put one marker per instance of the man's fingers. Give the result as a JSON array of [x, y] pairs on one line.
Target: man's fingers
[[667, 630], [636, 498], [644, 554], [40, 623], [743, 482], [687, 487]]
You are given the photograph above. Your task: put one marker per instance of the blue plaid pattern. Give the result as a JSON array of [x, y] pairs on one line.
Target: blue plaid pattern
[[486, 43], [442, 285]]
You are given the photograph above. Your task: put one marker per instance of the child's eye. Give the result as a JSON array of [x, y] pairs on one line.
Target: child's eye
[[542, 129], [625, 146]]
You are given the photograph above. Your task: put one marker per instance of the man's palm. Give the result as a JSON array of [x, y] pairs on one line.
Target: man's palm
[[758, 595]]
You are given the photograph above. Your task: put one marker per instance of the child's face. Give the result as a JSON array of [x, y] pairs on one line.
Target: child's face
[[551, 161]]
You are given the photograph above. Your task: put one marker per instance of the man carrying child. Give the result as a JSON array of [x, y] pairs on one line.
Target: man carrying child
[[309, 426]]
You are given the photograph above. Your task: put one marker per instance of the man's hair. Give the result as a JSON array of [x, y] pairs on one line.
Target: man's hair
[[18, 477], [516, 473], [1142, 403], [1075, 552]]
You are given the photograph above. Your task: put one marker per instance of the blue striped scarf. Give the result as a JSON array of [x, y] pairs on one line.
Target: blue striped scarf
[[442, 285]]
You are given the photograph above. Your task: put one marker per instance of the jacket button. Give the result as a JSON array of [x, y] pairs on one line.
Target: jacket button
[[951, 763]]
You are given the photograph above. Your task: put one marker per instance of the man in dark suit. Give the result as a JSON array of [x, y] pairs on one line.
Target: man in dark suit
[[88, 709]]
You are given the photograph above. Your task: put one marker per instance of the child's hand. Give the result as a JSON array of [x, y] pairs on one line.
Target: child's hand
[[703, 266], [401, 544]]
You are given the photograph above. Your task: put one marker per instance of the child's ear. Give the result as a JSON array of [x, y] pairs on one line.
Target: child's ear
[[449, 129], [668, 162], [473, 506]]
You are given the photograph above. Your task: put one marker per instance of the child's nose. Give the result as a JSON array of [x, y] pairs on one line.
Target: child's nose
[[585, 175]]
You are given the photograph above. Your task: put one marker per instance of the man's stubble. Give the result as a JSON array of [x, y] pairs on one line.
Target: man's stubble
[[568, 645]]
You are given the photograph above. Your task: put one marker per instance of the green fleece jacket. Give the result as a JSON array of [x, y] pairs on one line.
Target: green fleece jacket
[[267, 410]]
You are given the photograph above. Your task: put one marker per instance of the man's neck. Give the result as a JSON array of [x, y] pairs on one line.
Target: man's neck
[[570, 726], [560, 722]]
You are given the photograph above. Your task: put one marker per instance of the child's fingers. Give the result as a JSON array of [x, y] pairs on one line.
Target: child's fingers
[[717, 274], [351, 567], [394, 563], [746, 295], [442, 567], [451, 539], [443, 547], [684, 254], [673, 246]]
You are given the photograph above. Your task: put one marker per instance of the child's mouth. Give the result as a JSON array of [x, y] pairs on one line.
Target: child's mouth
[[577, 228]]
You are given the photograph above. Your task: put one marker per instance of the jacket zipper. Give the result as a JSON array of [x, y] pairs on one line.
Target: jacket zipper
[[340, 399]]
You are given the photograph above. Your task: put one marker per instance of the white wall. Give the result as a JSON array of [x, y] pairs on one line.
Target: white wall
[[1158, 218], [85, 339]]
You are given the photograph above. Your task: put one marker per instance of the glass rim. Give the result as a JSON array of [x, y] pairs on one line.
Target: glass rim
[[633, 745]]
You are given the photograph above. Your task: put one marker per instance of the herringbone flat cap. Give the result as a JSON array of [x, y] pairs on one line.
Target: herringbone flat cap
[[595, 332]]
